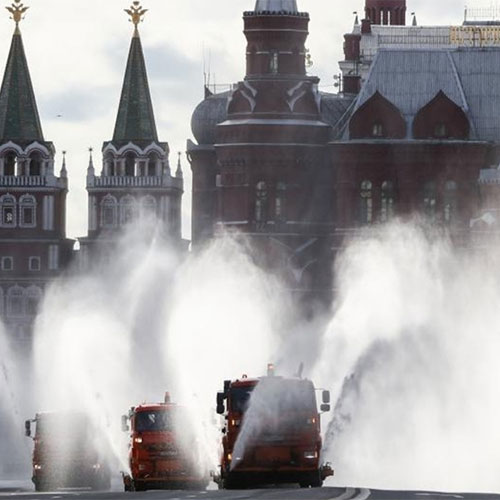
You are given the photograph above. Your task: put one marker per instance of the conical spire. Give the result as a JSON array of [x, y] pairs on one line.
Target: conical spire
[[135, 121], [276, 6], [19, 118]]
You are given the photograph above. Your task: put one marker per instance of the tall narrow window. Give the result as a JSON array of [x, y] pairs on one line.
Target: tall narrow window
[[33, 299], [148, 207], [377, 130], [151, 167], [366, 195], [430, 200], [261, 203], [109, 212], [8, 211], [274, 62], [127, 210], [35, 168], [15, 301], [9, 166], [27, 211], [450, 202], [280, 204], [130, 165], [110, 165], [387, 201]]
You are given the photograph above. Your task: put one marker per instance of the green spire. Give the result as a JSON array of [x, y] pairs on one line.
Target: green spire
[[135, 121], [19, 119]]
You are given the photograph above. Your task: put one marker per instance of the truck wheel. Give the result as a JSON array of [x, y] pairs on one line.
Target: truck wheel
[[316, 481], [140, 486]]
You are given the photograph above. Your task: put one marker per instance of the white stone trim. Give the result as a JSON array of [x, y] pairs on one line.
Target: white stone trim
[[5, 202], [3, 262], [35, 264], [27, 201], [53, 257]]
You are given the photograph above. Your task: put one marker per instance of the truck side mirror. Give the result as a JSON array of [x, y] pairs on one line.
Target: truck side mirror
[[325, 407], [125, 426], [27, 428], [326, 397], [227, 385], [220, 403]]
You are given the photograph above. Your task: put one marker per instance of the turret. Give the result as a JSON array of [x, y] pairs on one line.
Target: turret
[[386, 12]]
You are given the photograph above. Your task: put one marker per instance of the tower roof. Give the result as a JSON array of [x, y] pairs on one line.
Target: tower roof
[[276, 6], [135, 121], [19, 118]]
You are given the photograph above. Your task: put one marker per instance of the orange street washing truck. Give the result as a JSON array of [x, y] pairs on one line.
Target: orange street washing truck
[[163, 450], [67, 453], [272, 433]]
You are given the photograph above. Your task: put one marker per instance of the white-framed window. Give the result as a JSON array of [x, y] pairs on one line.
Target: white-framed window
[[15, 302], [27, 211], [274, 62], [7, 263], [128, 210], [109, 212], [35, 264], [8, 211]]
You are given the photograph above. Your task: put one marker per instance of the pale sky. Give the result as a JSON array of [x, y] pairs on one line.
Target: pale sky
[[77, 52]]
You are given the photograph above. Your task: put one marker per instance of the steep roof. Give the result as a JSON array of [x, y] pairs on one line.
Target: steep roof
[[135, 121], [276, 6], [19, 118], [470, 77]]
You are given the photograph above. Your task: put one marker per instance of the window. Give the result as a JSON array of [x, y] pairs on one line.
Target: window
[[387, 201], [127, 210], [110, 165], [450, 202], [35, 168], [7, 263], [429, 200], [35, 264], [8, 208], [377, 130], [1, 301], [261, 198], [280, 201], [109, 212], [9, 166], [15, 302], [148, 206], [440, 131], [274, 62], [366, 195], [27, 210], [130, 165], [33, 299], [151, 167]]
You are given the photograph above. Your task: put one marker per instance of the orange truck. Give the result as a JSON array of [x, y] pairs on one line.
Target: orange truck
[[272, 432], [163, 449], [68, 452]]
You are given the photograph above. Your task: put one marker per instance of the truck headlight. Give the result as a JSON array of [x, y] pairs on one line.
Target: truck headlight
[[96, 466], [310, 455], [138, 440], [37, 467]]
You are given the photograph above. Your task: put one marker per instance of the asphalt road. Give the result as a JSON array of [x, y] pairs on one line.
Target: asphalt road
[[23, 492]]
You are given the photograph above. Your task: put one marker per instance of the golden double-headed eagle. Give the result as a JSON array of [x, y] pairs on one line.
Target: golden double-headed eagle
[[136, 13], [17, 9]]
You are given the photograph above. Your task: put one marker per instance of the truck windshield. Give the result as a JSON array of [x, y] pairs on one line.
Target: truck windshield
[[155, 420], [240, 397]]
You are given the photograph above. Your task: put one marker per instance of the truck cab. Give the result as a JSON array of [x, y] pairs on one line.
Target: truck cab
[[272, 432], [163, 450], [67, 452]]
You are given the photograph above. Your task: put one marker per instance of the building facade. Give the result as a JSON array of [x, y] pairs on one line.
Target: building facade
[[34, 249]]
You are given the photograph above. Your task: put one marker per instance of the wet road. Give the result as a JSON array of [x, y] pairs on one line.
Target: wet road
[[24, 492]]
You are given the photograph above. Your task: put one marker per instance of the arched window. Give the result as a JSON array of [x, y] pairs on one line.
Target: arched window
[[151, 166], [377, 130], [110, 165], [15, 302], [280, 203], [8, 208], [130, 164], [27, 211], [261, 203], [387, 201], [430, 200], [33, 299], [35, 168], [148, 206], [450, 202], [128, 210], [366, 195], [9, 165], [109, 212]]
